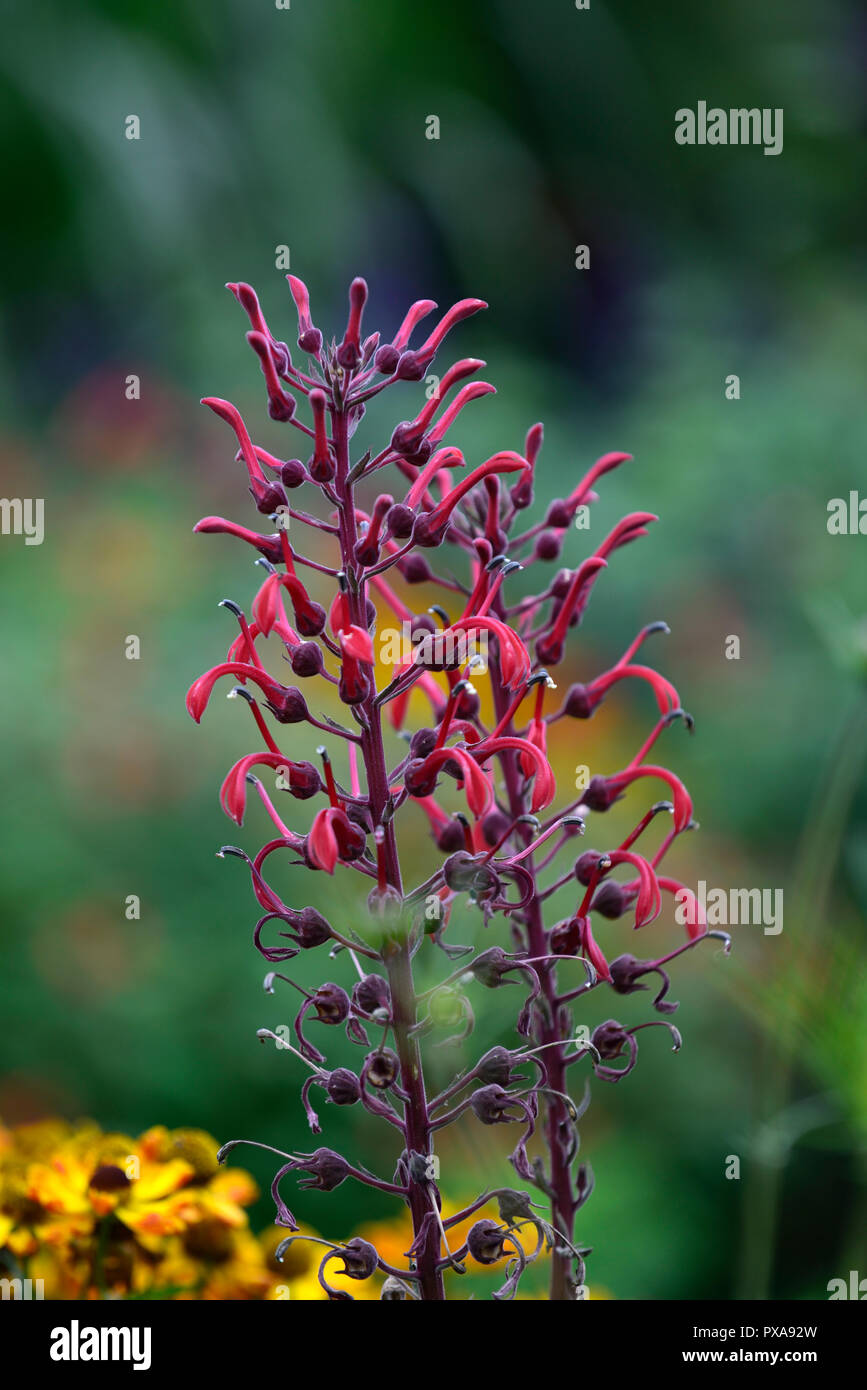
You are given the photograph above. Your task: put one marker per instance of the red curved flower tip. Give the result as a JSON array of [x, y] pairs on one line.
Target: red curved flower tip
[[696, 918], [356, 643], [648, 903], [667, 697], [602, 465], [249, 302], [309, 615], [443, 458], [477, 786], [505, 462], [545, 784], [592, 949], [515, 661], [466, 367], [200, 691], [629, 529], [550, 645], [462, 310], [413, 318], [227, 412], [269, 546], [332, 835], [680, 795], [473, 391], [304, 781], [309, 338]]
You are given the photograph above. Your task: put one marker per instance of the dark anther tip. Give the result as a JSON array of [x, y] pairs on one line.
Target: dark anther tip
[[232, 607]]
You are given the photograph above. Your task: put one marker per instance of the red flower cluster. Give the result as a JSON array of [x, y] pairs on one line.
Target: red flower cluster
[[500, 766]]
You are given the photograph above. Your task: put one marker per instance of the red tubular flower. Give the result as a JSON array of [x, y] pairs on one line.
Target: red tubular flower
[[356, 647], [423, 775], [682, 800], [269, 546], [349, 354], [592, 951], [545, 785], [304, 781], [667, 697], [629, 529], [199, 692], [649, 900], [602, 465], [332, 837], [309, 338], [498, 851], [443, 458], [472, 392], [227, 412], [321, 466], [549, 647], [505, 462], [696, 918], [411, 431], [280, 406], [309, 615], [462, 310], [514, 658]]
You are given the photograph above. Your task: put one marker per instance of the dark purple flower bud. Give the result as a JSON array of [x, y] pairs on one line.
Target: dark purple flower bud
[[400, 519], [422, 743], [381, 1068], [310, 927], [386, 359], [609, 1039], [490, 1104], [415, 569], [611, 900], [548, 545], [485, 1242], [360, 1258], [494, 826], [418, 778], [560, 587], [412, 366], [464, 873], [578, 703], [565, 938], [586, 865], [495, 1068], [267, 496], [558, 515], [343, 1087], [304, 780], [624, 972], [371, 994], [450, 836], [360, 816], [307, 659], [326, 1169], [293, 473], [310, 341], [331, 1003], [290, 707], [599, 796]]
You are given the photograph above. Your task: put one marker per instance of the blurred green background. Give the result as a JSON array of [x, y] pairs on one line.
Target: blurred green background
[[305, 127]]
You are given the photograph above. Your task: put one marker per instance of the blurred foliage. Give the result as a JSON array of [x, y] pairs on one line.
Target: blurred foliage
[[305, 127]]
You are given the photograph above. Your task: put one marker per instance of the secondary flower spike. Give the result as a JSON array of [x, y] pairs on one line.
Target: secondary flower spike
[[452, 733]]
